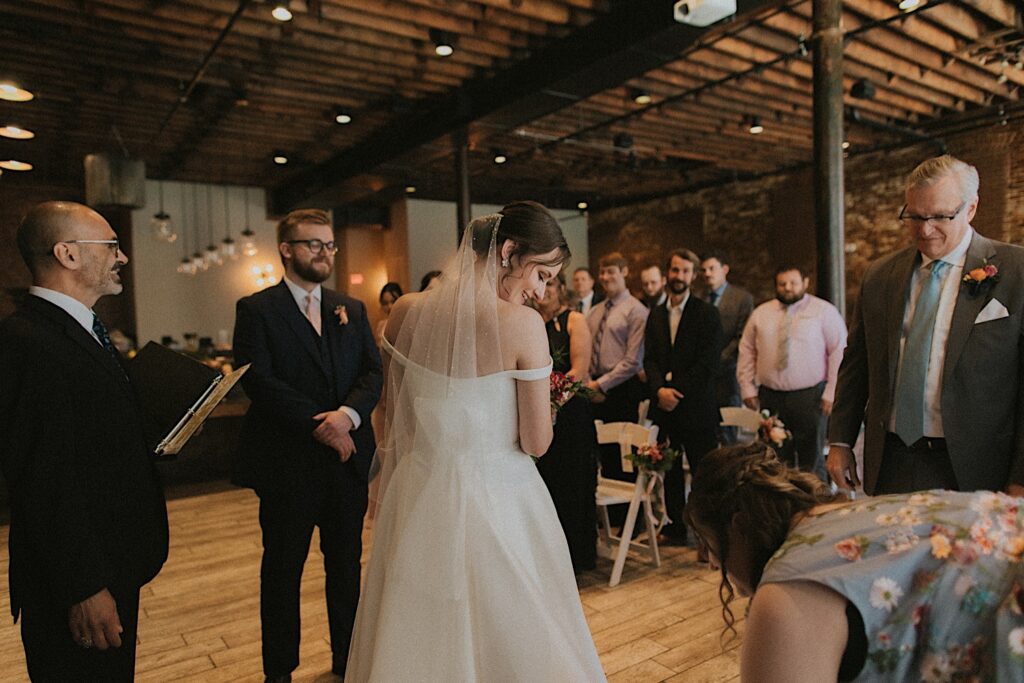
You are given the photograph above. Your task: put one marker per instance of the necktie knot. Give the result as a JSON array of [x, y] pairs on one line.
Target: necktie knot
[[712, 297]]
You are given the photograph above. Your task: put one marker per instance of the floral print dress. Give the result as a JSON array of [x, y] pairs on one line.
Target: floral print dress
[[937, 577]]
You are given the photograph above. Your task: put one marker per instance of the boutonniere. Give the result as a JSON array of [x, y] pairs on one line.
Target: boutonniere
[[342, 315], [984, 276]]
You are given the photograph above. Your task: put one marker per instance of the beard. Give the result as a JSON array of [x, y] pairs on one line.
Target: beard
[[678, 286], [789, 299], [309, 272]]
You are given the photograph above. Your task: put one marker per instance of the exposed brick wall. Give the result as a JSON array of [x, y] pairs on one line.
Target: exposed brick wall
[[768, 221]]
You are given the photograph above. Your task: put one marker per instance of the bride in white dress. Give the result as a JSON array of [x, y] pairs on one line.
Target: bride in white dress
[[469, 578]]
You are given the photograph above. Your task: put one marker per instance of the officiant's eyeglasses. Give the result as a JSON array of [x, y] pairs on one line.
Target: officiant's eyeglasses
[[316, 246], [937, 220], [115, 245]]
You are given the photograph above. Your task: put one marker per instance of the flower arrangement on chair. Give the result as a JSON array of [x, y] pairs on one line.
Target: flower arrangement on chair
[[654, 457]]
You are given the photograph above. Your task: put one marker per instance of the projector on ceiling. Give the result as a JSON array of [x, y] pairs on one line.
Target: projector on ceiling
[[703, 12]]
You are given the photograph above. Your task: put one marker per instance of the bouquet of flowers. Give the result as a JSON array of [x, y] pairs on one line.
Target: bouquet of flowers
[[563, 388], [654, 457], [772, 430]]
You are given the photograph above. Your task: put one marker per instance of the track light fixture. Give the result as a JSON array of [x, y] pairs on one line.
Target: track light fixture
[[282, 11], [641, 97], [755, 126], [12, 93], [500, 157], [16, 133], [341, 117], [280, 158], [444, 42], [907, 5]]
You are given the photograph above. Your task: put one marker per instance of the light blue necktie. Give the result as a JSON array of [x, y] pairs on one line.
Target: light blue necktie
[[916, 352]]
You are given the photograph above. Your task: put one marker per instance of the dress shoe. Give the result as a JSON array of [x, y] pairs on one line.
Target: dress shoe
[[286, 678]]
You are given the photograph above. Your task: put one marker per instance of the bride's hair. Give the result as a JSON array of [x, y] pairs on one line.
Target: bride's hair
[[752, 480], [529, 225]]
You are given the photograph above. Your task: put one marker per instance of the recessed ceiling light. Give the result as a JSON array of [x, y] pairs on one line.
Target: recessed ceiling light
[[500, 157], [409, 189], [16, 133], [280, 158], [14, 165], [846, 144], [342, 118], [640, 96], [12, 93], [281, 11], [582, 206], [907, 5], [444, 42]]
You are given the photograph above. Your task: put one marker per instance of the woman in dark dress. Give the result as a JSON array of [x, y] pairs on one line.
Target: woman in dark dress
[[569, 468]]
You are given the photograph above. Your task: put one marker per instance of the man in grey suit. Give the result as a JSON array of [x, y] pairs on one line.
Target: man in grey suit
[[734, 307], [936, 352]]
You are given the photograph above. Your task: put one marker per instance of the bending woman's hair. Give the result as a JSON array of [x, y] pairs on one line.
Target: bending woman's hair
[[751, 480], [532, 228]]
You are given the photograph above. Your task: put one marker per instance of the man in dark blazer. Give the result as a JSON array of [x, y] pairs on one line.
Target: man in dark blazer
[[734, 307], [88, 520], [306, 442], [683, 343], [936, 353]]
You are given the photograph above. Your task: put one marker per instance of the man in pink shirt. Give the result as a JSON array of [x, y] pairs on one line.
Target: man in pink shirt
[[789, 358]]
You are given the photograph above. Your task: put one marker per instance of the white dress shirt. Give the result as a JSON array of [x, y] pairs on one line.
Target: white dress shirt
[[943, 320], [299, 294], [73, 307], [586, 303], [675, 314]]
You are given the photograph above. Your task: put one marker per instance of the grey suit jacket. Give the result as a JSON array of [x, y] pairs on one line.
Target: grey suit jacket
[[982, 398], [734, 309]]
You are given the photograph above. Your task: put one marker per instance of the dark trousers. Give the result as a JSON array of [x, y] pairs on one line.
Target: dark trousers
[[696, 443], [51, 654], [920, 467], [621, 404], [800, 411], [727, 391], [335, 501]]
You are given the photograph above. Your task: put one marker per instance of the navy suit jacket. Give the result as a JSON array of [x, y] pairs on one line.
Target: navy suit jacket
[[293, 378]]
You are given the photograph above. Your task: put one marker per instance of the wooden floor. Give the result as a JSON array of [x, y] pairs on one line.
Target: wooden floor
[[199, 620]]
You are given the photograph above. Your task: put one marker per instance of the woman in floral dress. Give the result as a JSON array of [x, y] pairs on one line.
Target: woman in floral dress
[[924, 586]]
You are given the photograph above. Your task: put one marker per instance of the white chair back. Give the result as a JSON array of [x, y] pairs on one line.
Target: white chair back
[[746, 419], [627, 435]]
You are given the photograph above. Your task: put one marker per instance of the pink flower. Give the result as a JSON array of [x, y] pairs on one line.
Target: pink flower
[[964, 553], [849, 549], [342, 315]]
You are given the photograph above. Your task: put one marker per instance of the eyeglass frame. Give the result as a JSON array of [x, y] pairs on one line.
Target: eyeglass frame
[[332, 246], [944, 218], [116, 243]]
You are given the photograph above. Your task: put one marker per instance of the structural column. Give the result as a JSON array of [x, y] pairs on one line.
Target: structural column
[[462, 210], [827, 43]]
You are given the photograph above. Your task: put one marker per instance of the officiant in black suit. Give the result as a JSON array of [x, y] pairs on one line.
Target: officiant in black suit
[[683, 343], [88, 520], [306, 442]]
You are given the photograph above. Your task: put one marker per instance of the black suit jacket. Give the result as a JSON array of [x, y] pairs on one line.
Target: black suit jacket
[[293, 378], [87, 508], [692, 360]]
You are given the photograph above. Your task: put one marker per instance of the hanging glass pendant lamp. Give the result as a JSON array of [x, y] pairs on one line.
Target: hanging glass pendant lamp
[[198, 263], [161, 223], [212, 253], [228, 248], [248, 245]]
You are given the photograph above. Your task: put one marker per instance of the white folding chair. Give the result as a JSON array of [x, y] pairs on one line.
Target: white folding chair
[[615, 492], [745, 419], [645, 406]]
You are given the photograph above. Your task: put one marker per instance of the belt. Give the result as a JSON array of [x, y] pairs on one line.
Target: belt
[[925, 443]]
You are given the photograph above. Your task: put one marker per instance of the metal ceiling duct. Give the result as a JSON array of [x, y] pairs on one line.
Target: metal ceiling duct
[[114, 180]]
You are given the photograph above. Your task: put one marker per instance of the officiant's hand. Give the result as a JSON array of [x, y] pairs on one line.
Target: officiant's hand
[[334, 431], [668, 399], [94, 622]]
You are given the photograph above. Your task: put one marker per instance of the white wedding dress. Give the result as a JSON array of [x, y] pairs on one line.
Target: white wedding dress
[[469, 578]]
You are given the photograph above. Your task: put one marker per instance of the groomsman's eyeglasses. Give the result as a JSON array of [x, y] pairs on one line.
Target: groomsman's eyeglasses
[[937, 220], [115, 245], [316, 246]]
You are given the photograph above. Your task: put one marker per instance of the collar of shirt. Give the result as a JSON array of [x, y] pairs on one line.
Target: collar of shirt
[[794, 307], [73, 307], [679, 306], [718, 292], [957, 257], [299, 294], [620, 297]]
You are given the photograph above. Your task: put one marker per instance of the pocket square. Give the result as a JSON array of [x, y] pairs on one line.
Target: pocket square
[[993, 311]]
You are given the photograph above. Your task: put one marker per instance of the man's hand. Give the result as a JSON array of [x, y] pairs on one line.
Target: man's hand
[[334, 431], [842, 467], [94, 622], [826, 407], [754, 403], [1016, 490], [596, 396], [668, 399]]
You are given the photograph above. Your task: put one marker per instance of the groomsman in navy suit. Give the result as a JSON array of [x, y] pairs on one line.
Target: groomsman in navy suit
[[306, 443]]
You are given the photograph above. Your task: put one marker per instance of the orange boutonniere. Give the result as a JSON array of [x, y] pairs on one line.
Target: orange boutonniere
[[342, 315], [984, 276]]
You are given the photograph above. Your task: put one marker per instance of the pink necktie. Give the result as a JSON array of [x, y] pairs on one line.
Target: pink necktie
[[313, 312]]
